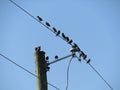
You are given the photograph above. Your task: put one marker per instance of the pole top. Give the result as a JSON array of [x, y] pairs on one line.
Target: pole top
[[37, 48]]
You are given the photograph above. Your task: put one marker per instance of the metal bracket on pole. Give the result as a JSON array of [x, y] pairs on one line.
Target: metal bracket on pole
[[73, 54]]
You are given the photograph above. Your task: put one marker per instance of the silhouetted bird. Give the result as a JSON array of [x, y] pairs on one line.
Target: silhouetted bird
[[75, 45], [83, 55], [58, 33], [47, 58], [70, 42], [39, 18], [78, 49], [67, 39], [63, 35], [56, 57], [88, 61], [47, 24], [48, 68], [38, 48], [54, 29]]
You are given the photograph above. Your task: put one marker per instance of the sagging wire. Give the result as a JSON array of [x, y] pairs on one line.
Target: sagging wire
[[68, 69], [64, 37], [25, 70]]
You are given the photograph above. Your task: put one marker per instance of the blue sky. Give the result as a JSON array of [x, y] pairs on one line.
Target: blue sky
[[93, 24]]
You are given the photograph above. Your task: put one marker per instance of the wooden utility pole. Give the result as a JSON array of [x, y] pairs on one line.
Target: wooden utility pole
[[40, 69]]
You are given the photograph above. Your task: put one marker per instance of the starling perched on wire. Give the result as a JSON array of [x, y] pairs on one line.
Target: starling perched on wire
[[56, 57], [88, 61], [75, 45], [39, 18], [47, 24], [54, 29], [63, 35], [67, 39], [70, 42], [83, 55], [58, 33]]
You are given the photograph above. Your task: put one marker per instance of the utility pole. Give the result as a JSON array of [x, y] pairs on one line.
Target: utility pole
[[40, 69]]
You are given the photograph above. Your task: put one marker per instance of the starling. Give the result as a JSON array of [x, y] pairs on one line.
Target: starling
[[63, 35], [85, 56], [47, 24], [58, 33], [88, 61], [54, 29], [47, 58], [56, 57], [67, 39], [78, 49], [70, 41], [74, 45], [39, 18]]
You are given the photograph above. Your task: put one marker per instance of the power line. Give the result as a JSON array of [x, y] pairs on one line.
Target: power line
[[36, 19], [101, 76], [68, 68], [79, 51], [25, 69], [88, 62]]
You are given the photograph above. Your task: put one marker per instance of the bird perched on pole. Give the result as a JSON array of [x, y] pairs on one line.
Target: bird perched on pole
[[47, 58], [39, 18]]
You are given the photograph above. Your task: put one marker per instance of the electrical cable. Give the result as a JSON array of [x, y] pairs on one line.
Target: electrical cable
[[68, 68], [34, 18], [25, 69], [58, 35], [101, 77]]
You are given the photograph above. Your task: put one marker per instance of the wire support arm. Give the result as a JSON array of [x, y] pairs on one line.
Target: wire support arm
[[61, 58]]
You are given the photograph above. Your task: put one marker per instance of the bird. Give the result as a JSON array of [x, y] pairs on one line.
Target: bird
[[78, 49], [39, 18], [75, 45], [58, 32], [47, 24], [38, 48], [88, 61], [56, 57], [67, 39], [47, 58], [83, 55], [70, 42], [54, 29], [63, 35]]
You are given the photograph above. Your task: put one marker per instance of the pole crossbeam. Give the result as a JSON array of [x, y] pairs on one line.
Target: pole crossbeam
[[61, 59]]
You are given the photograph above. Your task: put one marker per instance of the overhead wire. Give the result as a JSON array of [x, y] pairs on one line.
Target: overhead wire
[[68, 69], [25, 69], [34, 17], [101, 77], [58, 36], [98, 74]]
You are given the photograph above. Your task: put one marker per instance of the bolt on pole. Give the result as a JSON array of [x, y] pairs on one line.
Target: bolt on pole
[[40, 69]]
